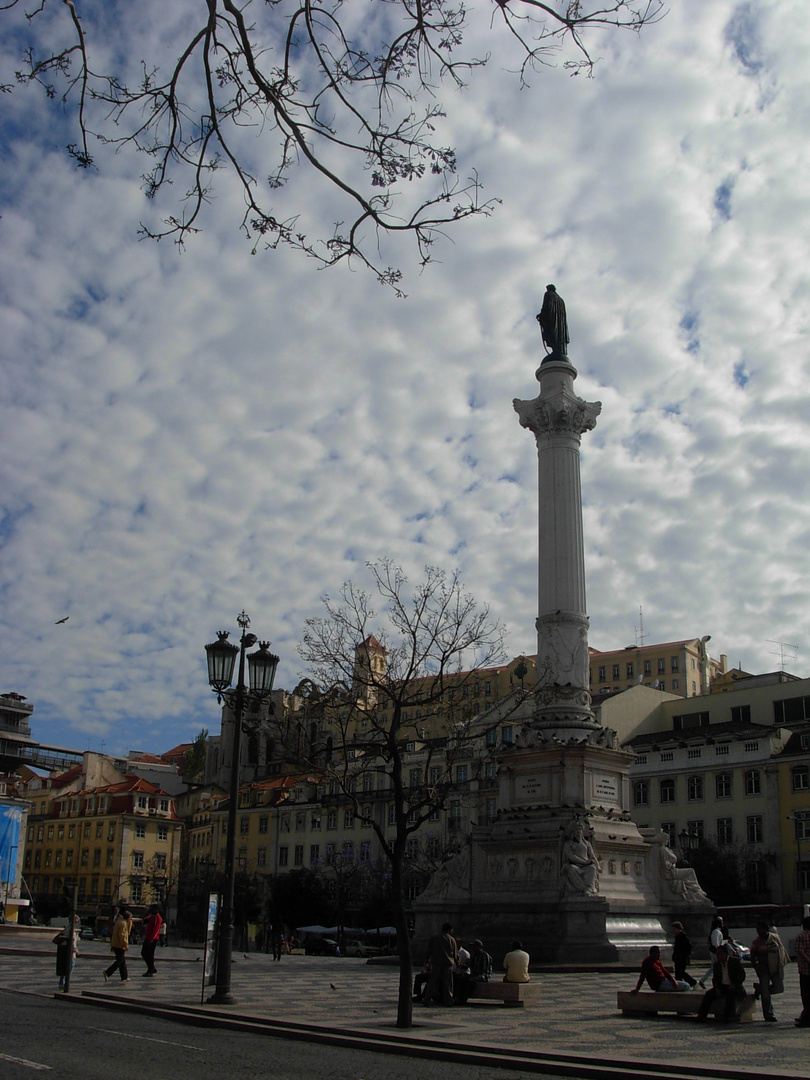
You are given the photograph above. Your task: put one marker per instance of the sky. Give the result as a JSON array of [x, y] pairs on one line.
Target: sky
[[189, 433]]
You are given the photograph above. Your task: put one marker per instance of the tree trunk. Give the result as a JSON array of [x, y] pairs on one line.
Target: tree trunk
[[405, 996]]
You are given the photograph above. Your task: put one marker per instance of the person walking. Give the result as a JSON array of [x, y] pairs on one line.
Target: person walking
[[717, 935], [681, 952], [803, 961], [151, 934], [119, 943], [728, 977], [768, 959]]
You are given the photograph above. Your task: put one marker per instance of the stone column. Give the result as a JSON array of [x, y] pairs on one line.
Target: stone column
[[557, 419]]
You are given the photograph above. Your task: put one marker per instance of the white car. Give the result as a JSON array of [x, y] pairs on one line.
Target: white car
[[359, 948]]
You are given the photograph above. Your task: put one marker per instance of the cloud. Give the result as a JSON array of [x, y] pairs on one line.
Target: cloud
[[188, 434]]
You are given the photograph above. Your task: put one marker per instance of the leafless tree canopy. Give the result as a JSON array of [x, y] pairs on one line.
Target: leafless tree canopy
[[343, 88]]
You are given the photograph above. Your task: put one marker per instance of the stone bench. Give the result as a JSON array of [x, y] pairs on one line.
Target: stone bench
[[683, 1003], [514, 995]]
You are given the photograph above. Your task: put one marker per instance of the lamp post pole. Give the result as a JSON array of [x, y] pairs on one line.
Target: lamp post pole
[[262, 665]]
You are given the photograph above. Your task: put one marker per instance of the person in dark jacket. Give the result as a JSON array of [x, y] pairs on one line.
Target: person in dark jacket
[[681, 952], [727, 983]]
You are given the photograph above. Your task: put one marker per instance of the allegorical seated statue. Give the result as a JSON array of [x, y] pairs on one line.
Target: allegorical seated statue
[[579, 870], [554, 324], [682, 880]]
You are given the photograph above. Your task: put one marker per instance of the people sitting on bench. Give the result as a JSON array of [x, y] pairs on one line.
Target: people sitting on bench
[[727, 982], [480, 971], [516, 964], [657, 976]]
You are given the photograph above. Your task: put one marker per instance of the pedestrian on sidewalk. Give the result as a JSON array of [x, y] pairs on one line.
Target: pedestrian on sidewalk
[[119, 943], [768, 959], [151, 932], [717, 935], [681, 952], [803, 961]]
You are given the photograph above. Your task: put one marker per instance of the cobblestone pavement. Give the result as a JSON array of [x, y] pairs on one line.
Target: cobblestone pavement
[[577, 1014]]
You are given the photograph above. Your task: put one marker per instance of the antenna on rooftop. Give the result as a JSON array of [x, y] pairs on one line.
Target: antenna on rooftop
[[640, 628], [784, 647]]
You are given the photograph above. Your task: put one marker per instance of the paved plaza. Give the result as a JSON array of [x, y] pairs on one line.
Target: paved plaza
[[577, 1014]]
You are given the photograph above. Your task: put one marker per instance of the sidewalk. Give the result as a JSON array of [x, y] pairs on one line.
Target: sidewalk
[[578, 1012]]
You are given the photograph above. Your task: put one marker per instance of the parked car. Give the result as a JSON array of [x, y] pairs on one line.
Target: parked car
[[360, 948], [321, 947], [87, 933]]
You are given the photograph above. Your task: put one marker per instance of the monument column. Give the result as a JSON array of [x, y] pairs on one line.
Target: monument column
[[557, 419]]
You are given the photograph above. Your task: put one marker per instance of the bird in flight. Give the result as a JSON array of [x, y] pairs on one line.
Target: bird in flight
[[60, 621]]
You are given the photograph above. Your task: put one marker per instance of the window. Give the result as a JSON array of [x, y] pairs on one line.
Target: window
[[110, 833], [791, 711], [617, 671], [159, 861], [629, 669], [85, 860], [647, 667], [725, 831], [263, 820], [741, 714], [298, 855], [800, 778], [261, 857], [693, 752], [368, 783], [602, 674], [347, 850], [331, 819], [141, 802], [755, 877], [244, 825], [140, 830], [348, 818], [314, 854], [802, 828], [368, 815], [492, 809], [241, 858], [412, 849], [720, 750], [392, 814], [461, 774], [414, 777], [330, 853], [803, 876], [722, 785], [433, 847], [694, 788], [137, 860], [640, 793], [86, 830], [662, 665], [755, 831], [695, 828], [690, 720], [752, 783], [491, 770], [110, 856], [48, 856], [506, 734], [69, 857], [673, 664], [676, 685], [668, 790], [283, 856], [57, 859], [163, 806], [97, 857], [365, 851], [492, 737], [136, 892], [315, 822], [162, 833]]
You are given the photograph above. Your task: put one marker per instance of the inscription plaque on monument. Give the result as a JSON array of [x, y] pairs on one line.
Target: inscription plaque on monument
[[606, 789], [531, 789]]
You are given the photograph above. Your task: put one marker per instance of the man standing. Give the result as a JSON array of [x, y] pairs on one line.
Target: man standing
[[151, 933], [658, 977], [119, 943], [681, 951], [443, 956], [803, 961], [768, 957], [727, 982], [516, 964]]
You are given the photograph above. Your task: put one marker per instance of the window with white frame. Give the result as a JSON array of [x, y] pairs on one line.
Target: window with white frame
[[140, 830], [283, 856], [667, 789], [800, 778], [694, 788], [722, 785], [755, 829], [641, 793], [753, 785], [163, 833], [725, 831], [695, 828]]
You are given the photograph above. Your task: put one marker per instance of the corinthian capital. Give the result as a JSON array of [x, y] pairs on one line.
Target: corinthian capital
[[563, 414]]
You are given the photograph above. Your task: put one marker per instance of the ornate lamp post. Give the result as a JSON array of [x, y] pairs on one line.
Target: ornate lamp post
[[262, 671]]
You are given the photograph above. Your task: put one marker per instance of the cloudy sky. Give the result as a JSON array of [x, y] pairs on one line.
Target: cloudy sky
[[187, 434]]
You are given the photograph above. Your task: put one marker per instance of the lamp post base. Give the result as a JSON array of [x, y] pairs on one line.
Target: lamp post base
[[224, 998]]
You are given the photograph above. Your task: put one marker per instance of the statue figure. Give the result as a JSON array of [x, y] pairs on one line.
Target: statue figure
[[681, 880], [451, 878], [580, 866], [554, 324]]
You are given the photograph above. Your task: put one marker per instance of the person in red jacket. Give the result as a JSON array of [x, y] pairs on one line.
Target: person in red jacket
[[658, 977], [151, 933]]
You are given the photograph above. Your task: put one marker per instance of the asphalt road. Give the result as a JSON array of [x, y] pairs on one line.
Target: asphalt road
[[40, 1037]]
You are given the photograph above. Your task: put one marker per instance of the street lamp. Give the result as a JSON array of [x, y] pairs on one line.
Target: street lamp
[[688, 841], [261, 672]]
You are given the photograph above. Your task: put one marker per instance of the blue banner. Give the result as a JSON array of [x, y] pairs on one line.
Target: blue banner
[[10, 822]]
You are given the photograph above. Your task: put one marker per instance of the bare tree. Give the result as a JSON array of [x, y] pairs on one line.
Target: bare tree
[[340, 88], [392, 705]]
